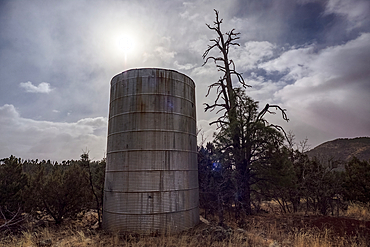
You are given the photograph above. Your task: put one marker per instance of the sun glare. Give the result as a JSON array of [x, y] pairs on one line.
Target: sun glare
[[122, 46], [126, 44]]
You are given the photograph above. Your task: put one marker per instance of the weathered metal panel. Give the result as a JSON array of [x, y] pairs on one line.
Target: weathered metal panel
[[151, 182]]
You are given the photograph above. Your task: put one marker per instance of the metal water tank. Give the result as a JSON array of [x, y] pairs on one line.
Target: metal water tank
[[151, 179]]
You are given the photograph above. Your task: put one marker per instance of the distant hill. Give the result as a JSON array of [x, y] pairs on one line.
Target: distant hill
[[343, 149]]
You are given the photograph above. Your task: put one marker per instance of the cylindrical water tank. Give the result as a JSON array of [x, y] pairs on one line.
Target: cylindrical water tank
[[151, 179]]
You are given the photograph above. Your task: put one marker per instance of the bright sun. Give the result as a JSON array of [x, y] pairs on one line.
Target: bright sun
[[126, 44]]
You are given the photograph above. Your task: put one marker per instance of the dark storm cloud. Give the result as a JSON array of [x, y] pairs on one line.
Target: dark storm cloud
[[281, 21], [294, 22]]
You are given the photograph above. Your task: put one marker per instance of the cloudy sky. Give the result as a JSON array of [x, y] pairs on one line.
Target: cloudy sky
[[312, 57]]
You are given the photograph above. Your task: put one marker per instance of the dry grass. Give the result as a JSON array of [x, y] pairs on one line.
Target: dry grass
[[315, 238], [68, 237], [268, 230], [358, 211], [64, 238]]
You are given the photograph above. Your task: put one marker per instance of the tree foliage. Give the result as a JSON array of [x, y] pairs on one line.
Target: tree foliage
[[44, 187], [284, 175], [257, 140], [278, 180], [61, 193], [216, 185], [96, 172], [357, 180], [12, 182]]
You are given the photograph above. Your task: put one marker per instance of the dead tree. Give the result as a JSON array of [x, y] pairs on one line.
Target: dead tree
[[226, 101]]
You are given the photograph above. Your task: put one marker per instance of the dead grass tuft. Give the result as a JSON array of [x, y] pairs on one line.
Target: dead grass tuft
[[358, 211]]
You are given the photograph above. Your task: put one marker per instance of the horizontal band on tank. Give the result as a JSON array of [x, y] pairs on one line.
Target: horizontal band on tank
[[140, 112], [148, 191], [171, 212], [161, 94], [153, 170], [192, 85], [152, 130], [137, 150]]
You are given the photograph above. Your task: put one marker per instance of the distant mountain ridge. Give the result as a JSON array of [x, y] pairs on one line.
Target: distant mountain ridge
[[343, 149]]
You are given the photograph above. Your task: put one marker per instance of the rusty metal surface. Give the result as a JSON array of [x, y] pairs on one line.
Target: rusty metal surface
[[151, 175]]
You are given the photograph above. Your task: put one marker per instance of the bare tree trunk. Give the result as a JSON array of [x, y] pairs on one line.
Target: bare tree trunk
[[220, 210], [247, 199], [85, 159], [95, 195]]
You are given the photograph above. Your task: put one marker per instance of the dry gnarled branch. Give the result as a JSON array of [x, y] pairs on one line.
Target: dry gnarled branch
[[13, 222], [277, 107], [222, 43]]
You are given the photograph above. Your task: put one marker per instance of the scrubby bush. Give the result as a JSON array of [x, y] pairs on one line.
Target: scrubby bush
[[61, 193], [12, 182], [357, 180]]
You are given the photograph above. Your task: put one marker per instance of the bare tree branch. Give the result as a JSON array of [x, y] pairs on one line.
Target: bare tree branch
[[223, 64], [15, 220], [277, 107]]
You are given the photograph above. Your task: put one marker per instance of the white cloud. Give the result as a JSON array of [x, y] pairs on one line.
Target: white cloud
[[188, 16], [330, 89], [160, 56], [356, 11], [8, 112], [164, 53], [199, 45], [294, 62], [247, 57], [43, 87], [31, 139], [97, 122], [206, 131], [187, 66]]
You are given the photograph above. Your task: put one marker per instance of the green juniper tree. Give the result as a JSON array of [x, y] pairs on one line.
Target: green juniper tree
[[62, 192], [357, 180], [277, 180], [12, 182], [259, 143], [94, 185]]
